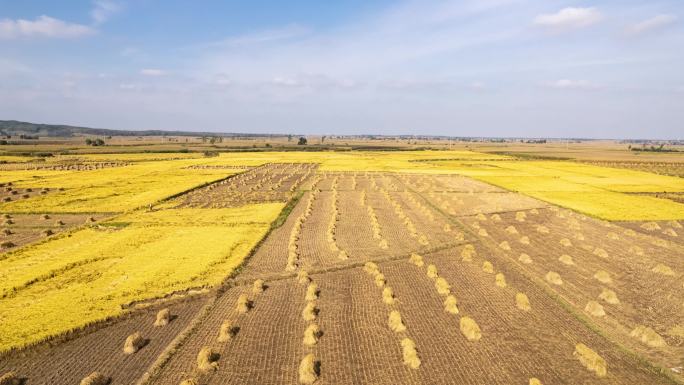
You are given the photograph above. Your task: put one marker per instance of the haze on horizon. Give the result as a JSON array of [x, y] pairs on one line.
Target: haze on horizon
[[594, 69]]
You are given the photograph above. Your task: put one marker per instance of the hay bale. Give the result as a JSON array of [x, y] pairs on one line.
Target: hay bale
[[95, 378], [542, 229], [388, 295], [522, 302], [520, 216], [311, 335], [650, 226], [511, 230], [450, 304], [470, 329], [591, 360], [207, 359], [663, 269], [447, 228], [409, 353], [505, 246], [432, 271], [534, 211], [524, 258], [613, 236], [630, 232], [383, 244], [670, 232], [603, 277], [595, 309], [343, 255], [609, 296], [554, 278], [311, 292], [496, 217], [10, 378], [565, 242], [395, 322], [599, 252], [578, 236], [133, 343], [566, 260], [226, 332], [189, 381], [535, 381], [648, 336], [370, 267], [416, 260], [500, 280], [525, 240], [380, 280], [487, 267], [309, 370], [636, 250], [310, 311], [442, 286], [303, 277], [483, 233], [467, 255], [481, 217], [258, 286], [163, 317], [243, 304], [675, 224]]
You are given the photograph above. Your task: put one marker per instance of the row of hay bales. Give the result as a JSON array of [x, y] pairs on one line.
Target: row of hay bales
[[293, 248], [309, 367], [375, 224], [394, 321]]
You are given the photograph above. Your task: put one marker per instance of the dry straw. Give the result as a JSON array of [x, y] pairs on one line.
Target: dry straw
[[591, 360], [409, 353], [311, 292], [522, 302], [442, 286], [505, 246], [595, 309], [535, 381], [609, 296], [133, 343], [308, 370], [163, 318], [565, 242], [470, 329], [380, 280], [243, 304], [189, 381], [483, 233], [511, 230], [525, 240], [648, 336], [370, 267], [95, 378], [487, 267], [311, 335], [10, 378], [524, 258], [310, 311], [388, 295], [500, 280], [207, 359], [450, 304], [520, 216], [542, 229], [258, 286], [603, 277], [303, 277], [416, 260], [599, 252], [554, 278], [566, 260], [226, 331], [663, 269], [432, 271], [395, 322]]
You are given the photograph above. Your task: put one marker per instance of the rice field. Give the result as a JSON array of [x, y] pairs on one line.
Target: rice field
[[414, 267]]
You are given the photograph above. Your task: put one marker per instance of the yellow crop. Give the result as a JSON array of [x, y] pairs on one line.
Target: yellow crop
[[72, 280]]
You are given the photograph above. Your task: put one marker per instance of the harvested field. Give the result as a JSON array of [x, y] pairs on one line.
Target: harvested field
[[22, 229]]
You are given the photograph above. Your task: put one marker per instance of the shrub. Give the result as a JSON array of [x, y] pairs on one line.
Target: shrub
[[163, 317], [450, 304], [133, 343], [590, 359], [95, 378], [409, 353], [309, 370], [395, 322], [207, 359], [470, 329]]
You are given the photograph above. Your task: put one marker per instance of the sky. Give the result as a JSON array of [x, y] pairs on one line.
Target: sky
[[511, 68]]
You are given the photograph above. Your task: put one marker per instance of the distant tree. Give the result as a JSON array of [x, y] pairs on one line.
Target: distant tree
[[89, 141], [3, 142], [268, 145], [323, 138], [98, 142], [289, 138], [212, 140], [302, 141]]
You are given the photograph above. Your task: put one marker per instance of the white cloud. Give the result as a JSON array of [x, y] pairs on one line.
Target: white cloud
[[651, 24], [572, 84], [43, 26], [103, 10], [262, 37], [569, 18], [152, 72]]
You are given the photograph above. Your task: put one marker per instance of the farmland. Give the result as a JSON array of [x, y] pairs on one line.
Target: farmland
[[340, 267]]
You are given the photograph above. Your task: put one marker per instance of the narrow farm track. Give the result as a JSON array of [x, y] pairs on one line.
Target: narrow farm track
[[431, 288]]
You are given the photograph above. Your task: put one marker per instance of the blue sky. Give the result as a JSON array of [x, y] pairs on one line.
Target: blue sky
[[602, 68]]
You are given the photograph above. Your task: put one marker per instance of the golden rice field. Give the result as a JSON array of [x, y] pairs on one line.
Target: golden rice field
[[405, 267]]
